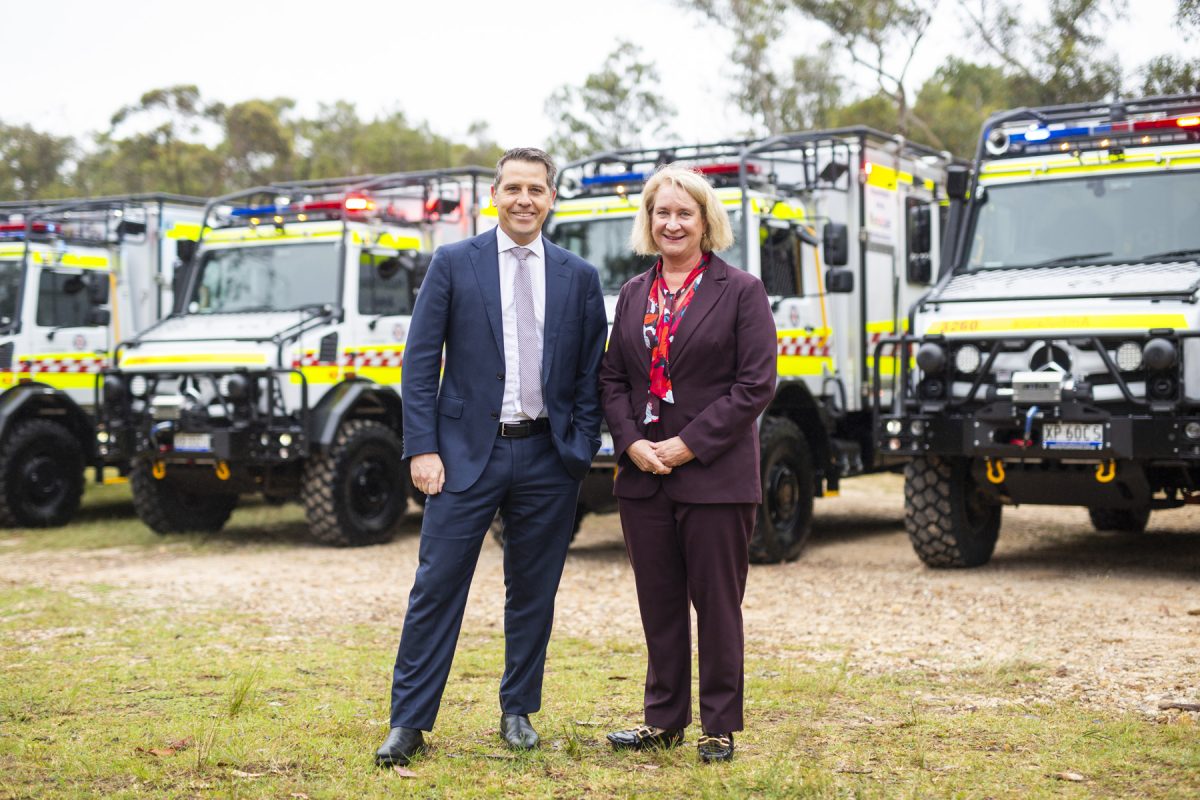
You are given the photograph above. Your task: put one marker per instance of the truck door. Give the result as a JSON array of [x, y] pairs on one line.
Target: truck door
[[69, 337]]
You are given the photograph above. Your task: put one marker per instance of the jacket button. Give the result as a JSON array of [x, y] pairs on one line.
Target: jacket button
[[495, 415], [499, 376]]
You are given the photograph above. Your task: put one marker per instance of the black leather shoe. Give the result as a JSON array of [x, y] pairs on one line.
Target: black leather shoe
[[644, 737], [716, 747], [399, 747], [517, 732]]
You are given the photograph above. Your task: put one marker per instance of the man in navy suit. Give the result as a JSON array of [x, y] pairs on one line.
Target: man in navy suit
[[512, 425]]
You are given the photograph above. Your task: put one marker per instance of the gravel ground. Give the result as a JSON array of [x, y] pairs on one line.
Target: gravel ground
[[1115, 618]]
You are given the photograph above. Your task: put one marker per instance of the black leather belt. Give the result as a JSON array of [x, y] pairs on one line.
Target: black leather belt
[[529, 427]]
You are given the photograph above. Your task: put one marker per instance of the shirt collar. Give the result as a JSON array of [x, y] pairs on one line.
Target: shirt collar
[[504, 242]]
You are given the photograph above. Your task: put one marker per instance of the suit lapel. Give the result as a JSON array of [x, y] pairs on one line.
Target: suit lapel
[[558, 286], [639, 290], [485, 259], [712, 286]]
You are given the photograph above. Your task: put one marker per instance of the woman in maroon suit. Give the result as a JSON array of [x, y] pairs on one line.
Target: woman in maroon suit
[[690, 366]]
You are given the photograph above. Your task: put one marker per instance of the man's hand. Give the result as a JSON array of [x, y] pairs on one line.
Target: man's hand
[[643, 456], [673, 452], [428, 474]]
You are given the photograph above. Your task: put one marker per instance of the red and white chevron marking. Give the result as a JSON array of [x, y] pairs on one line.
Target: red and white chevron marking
[[365, 358], [803, 346], [86, 364]]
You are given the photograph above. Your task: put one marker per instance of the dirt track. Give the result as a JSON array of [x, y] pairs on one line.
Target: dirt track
[[1116, 618]]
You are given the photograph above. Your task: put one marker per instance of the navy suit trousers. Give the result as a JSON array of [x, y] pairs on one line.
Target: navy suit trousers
[[526, 481]]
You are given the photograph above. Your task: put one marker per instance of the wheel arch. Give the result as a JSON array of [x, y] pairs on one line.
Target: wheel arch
[[794, 401], [354, 400], [39, 401]]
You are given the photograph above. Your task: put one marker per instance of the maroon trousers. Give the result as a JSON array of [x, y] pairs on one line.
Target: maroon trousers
[[696, 552]]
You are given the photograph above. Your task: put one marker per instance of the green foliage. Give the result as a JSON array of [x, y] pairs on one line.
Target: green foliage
[[958, 97], [617, 107], [32, 163], [1170, 75]]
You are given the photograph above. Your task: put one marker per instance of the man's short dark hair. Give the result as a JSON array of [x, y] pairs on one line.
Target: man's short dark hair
[[528, 154]]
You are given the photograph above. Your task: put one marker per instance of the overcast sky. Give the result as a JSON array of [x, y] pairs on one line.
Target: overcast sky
[[70, 64]]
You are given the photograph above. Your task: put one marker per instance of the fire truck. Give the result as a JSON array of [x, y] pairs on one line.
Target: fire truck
[[75, 277], [842, 226], [278, 370], [1057, 359]]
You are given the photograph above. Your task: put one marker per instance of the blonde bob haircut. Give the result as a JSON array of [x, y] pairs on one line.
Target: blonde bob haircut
[[718, 234]]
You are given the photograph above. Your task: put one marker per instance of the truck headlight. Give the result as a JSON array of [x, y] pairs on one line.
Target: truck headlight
[[1129, 356], [138, 385], [893, 426], [967, 359]]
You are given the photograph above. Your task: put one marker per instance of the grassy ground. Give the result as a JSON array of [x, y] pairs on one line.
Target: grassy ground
[[100, 699], [97, 700]]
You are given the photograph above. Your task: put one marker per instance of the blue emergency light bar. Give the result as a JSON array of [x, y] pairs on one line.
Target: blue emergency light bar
[[1125, 133], [255, 211], [609, 180]]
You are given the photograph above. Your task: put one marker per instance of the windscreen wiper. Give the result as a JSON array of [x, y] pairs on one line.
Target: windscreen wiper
[[1070, 259], [1187, 251]]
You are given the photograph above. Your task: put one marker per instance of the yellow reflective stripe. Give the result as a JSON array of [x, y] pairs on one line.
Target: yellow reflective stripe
[[84, 262], [1001, 171], [886, 177], [804, 365], [801, 333], [74, 354], [184, 230], [1074, 322], [398, 242], [292, 231], [197, 358], [12, 252]]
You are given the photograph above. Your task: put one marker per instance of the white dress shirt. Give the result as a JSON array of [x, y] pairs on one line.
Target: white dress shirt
[[511, 403]]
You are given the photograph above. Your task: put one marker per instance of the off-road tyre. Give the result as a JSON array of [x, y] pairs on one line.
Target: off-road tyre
[[166, 508], [785, 517], [354, 490], [41, 475], [1120, 520], [950, 521], [497, 527]]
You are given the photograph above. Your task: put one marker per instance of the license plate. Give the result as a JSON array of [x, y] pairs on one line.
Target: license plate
[[606, 445], [1073, 436], [193, 442]]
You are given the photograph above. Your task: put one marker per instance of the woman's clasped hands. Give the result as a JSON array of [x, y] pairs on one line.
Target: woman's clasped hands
[[659, 458]]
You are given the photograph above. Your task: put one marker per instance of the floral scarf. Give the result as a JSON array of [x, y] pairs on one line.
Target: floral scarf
[[658, 331]]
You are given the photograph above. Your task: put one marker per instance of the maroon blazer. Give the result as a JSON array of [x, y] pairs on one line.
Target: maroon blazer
[[723, 372]]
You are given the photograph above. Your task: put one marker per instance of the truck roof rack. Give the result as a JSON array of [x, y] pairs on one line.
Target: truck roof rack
[[84, 221], [344, 198]]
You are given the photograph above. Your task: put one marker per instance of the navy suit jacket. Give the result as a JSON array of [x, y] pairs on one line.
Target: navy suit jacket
[[458, 308], [723, 373]]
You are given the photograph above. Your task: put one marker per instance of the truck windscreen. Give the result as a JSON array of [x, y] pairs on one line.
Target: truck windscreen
[[266, 278], [1113, 218], [604, 243]]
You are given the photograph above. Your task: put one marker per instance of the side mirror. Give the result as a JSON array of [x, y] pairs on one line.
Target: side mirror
[[98, 288], [418, 264], [837, 244], [839, 281], [958, 178], [98, 316], [185, 249]]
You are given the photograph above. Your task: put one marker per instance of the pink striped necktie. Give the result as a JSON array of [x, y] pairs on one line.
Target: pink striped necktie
[[529, 356]]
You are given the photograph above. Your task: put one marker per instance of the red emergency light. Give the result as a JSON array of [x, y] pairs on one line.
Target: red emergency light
[[730, 168], [20, 227]]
